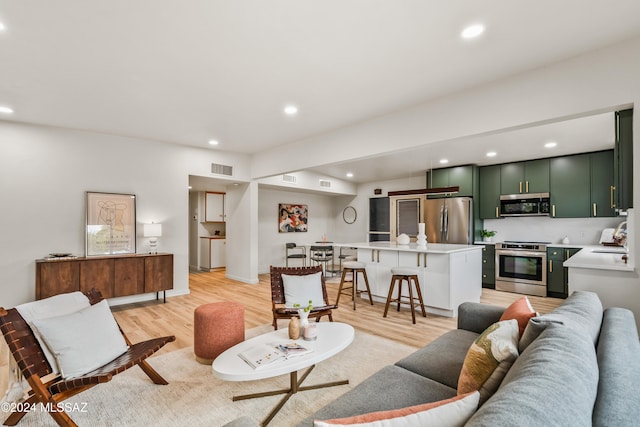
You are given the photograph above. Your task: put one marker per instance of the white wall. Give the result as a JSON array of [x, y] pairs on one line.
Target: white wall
[[45, 172], [271, 242]]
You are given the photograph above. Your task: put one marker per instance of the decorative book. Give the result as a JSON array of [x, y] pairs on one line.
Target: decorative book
[[262, 355]]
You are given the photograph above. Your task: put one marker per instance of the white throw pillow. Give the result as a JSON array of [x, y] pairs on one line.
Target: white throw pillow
[[57, 305], [302, 289], [84, 340]]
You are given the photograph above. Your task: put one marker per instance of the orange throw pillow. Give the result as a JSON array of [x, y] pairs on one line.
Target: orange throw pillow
[[445, 413], [520, 310]]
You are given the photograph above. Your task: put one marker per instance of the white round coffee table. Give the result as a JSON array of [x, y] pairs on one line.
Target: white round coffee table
[[333, 337]]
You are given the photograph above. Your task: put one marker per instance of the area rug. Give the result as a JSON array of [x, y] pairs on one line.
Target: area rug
[[195, 397]]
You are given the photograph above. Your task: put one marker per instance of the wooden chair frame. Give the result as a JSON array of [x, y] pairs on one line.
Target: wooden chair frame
[[49, 388], [277, 294]]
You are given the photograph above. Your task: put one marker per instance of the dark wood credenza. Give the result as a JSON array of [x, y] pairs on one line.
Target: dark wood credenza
[[114, 276]]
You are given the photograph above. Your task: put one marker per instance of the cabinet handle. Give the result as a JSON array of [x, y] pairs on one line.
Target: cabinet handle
[[521, 186], [527, 187], [425, 260], [595, 210], [378, 255], [418, 256], [553, 211], [566, 254], [497, 212], [612, 189], [550, 266]]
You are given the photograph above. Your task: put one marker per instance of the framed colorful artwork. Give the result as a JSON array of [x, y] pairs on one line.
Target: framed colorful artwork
[[292, 218], [111, 224]]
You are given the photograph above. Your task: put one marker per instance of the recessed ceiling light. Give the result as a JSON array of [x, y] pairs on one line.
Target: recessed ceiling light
[[349, 175], [213, 142], [491, 154], [472, 31], [550, 144], [6, 110], [291, 110], [2, 27], [444, 161]]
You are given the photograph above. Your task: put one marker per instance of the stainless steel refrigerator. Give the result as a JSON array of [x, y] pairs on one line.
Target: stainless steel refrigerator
[[448, 220]]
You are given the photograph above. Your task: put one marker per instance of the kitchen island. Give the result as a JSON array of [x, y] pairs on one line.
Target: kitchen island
[[449, 274]]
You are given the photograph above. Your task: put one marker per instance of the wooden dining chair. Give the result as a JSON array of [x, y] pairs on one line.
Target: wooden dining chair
[[49, 388], [277, 294]]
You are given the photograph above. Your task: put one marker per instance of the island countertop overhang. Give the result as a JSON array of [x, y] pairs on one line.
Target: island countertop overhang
[[435, 248]]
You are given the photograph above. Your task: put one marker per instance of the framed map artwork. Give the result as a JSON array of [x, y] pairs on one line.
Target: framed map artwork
[[111, 224], [292, 218]]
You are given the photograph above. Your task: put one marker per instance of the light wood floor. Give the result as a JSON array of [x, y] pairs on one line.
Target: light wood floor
[[143, 321], [153, 319]]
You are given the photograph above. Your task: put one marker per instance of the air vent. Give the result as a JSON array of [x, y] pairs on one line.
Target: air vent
[[325, 184], [289, 178], [221, 169]]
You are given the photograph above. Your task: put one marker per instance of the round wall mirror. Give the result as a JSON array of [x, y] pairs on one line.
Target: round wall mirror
[[349, 214]]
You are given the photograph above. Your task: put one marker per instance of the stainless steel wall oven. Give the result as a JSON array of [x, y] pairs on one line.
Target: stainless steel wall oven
[[521, 267]]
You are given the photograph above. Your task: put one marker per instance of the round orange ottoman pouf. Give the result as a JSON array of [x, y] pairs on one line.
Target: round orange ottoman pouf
[[216, 327]]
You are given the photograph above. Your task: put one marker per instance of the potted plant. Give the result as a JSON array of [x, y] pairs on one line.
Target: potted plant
[[487, 234]]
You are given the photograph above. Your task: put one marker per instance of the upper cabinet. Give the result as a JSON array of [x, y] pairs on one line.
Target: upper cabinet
[[602, 184], [490, 192], [623, 192], [570, 186], [460, 176], [580, 186], [214, 207], [525, 177]]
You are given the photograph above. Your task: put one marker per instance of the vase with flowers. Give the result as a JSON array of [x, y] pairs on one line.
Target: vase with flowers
[[297, 325]]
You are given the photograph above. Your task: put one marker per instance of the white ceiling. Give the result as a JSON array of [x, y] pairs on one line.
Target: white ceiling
[[186, 72]]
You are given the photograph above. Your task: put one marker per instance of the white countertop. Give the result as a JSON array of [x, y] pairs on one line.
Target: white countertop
[[599, 257], [435, 248]]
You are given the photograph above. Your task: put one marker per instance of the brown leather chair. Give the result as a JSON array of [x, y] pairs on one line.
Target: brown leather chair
[[48, 388], [277, 295]]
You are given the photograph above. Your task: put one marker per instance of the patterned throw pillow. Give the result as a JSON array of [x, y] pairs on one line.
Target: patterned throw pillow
[[489, 359], [520, 310]]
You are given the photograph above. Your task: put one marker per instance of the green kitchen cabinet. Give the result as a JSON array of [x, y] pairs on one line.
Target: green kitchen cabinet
[[602, 184], [438, 178], [489, 266], [570, 186], [623, 160], [525, 177], [460, 176], [557, 275], [489, 197]]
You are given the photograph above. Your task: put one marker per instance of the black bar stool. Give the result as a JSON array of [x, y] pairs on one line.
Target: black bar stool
[[322, 254], [353, 267], [293, 251], [410, 275]]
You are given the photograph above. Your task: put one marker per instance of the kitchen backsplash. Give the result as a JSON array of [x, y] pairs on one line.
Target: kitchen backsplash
[[581, 231]]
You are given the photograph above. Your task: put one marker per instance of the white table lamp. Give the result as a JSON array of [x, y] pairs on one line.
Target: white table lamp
[[153, 231]]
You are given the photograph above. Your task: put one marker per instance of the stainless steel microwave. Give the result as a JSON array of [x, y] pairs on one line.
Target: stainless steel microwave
[[531, 204]]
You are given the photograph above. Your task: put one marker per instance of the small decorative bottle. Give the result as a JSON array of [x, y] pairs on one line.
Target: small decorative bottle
[[294, 328]]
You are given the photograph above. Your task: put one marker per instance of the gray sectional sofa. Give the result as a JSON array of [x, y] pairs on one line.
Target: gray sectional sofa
[[580, 368]]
